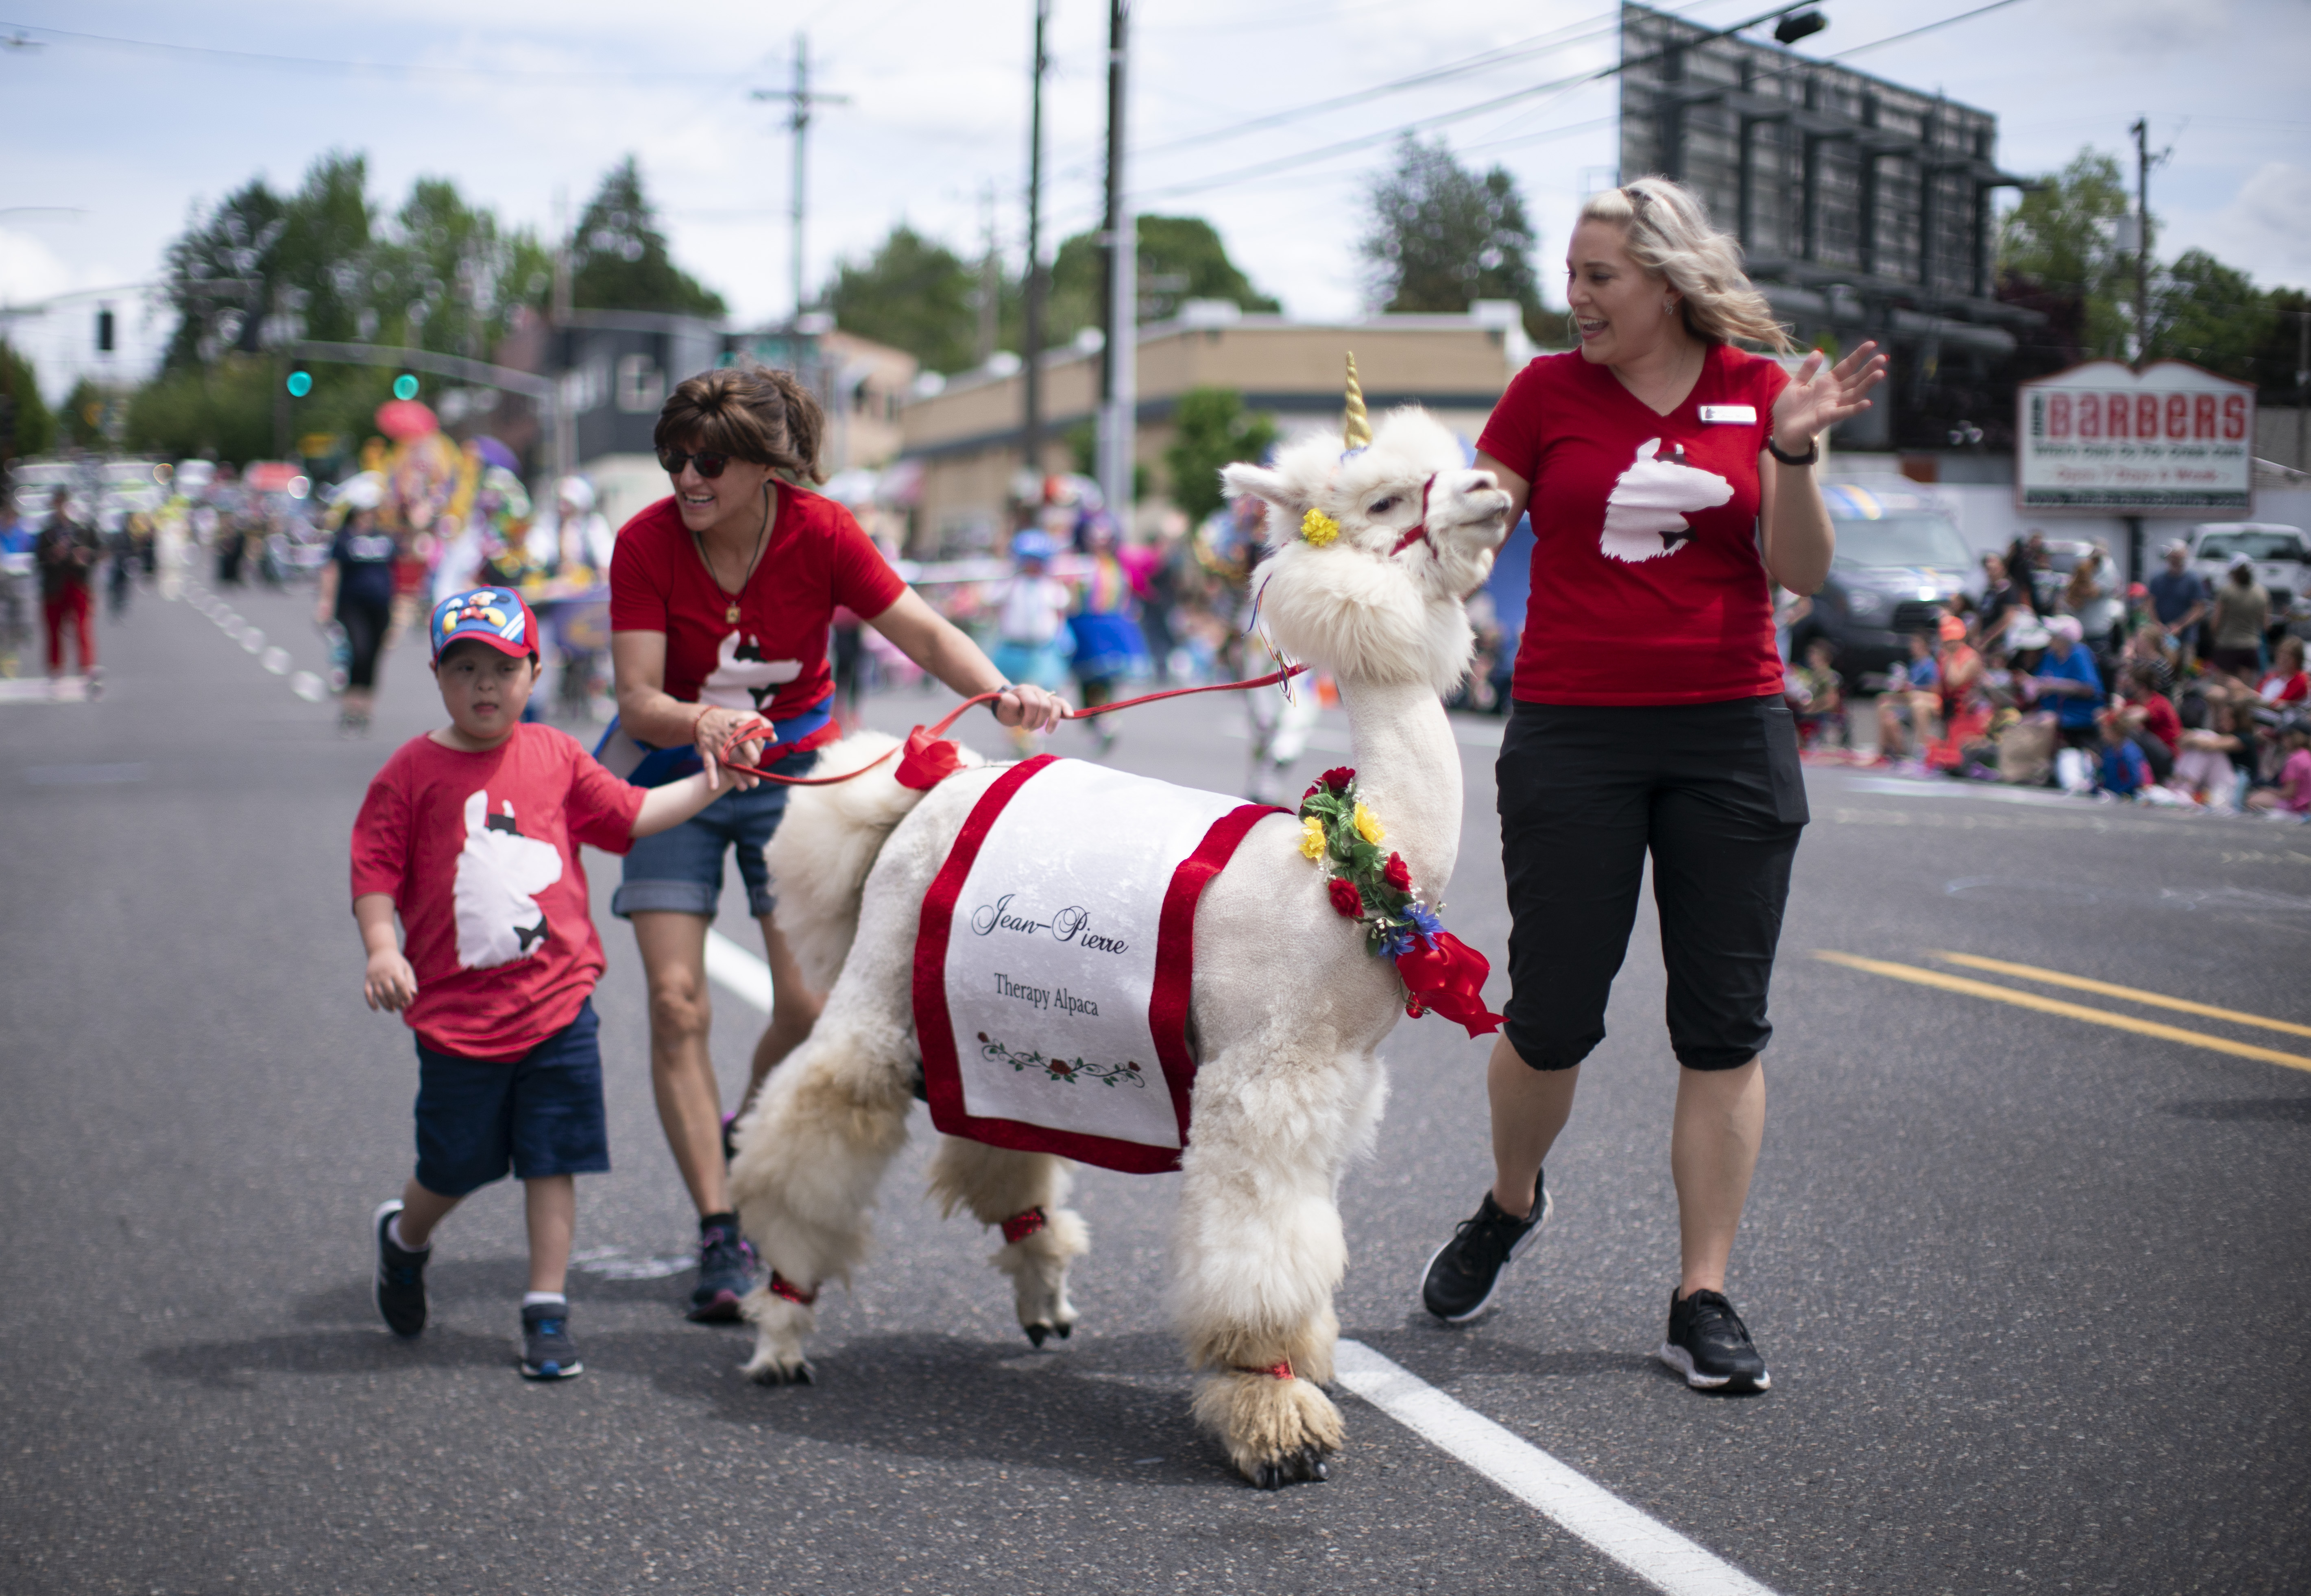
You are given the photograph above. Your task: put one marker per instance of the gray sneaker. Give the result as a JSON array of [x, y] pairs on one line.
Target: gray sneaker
[[547, 1352]]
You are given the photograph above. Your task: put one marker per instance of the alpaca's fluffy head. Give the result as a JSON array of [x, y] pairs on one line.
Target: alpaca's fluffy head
[[1403, 531]]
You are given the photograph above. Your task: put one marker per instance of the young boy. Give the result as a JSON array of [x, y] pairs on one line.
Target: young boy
[[471, 833]]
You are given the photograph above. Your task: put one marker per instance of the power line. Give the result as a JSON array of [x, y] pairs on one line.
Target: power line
[[403, 68]]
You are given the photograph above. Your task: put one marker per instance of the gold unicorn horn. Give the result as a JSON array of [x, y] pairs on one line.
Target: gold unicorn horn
[[1356, 430]]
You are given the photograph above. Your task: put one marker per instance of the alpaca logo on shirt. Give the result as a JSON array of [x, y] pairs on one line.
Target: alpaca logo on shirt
[[743, 680], [1645, 516], [499, 874]]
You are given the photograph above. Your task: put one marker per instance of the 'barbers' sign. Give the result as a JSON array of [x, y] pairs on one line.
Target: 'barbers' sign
[[2169, 438]]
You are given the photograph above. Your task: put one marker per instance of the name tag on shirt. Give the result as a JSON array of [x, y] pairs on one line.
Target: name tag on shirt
[[1738, 416]]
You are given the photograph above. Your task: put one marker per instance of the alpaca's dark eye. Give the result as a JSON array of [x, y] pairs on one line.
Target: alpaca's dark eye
[[1380, 507]]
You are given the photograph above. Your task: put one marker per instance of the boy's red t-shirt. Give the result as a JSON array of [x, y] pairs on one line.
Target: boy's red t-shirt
[[1647, 585], [771, 661], [478, 852]]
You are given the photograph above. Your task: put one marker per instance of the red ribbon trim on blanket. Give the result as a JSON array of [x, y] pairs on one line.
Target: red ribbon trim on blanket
[[1018, 1227], [1446, 974]]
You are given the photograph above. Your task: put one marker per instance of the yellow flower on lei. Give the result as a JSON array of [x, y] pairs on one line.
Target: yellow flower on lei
[[1318, 528], [1312, 838], [1368, 824]]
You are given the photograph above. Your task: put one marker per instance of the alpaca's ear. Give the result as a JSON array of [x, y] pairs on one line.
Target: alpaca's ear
[[1244, 479]]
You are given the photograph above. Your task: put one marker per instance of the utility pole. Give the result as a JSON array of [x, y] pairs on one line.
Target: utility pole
[[1118, 376], [1030, 431], [2143, 162], [562, 415], [990, 277], [800, 98]]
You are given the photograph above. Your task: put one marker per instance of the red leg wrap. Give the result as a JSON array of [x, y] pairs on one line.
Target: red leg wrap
[[783, 1287], [1279, 1370], [1018, 1227]]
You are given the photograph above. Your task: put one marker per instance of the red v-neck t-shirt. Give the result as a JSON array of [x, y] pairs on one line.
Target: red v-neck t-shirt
[[771, 661], [1647, 585]]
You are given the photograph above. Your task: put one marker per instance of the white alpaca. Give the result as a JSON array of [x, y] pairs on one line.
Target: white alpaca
[[1287, 1009], [1644, 518], [498, 873]]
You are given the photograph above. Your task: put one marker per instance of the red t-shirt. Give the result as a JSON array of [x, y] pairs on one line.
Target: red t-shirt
[[478, 852], [771, 661], [1647, 586], [2159, 718]]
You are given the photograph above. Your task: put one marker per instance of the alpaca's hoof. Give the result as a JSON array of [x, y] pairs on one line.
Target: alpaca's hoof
[[777, 1374], [1307, 1464], [1064, 1331], [1036, 1332]]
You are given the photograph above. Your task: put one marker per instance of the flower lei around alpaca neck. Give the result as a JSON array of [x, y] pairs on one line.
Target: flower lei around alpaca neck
[[1373, 886]]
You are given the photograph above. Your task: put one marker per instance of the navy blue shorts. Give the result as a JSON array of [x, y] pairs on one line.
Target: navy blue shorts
[[680, 869], [539, 1115]]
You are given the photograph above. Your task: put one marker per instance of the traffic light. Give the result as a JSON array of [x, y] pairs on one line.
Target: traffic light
[[405, 387], [301, 383], [104, 332], [1799, 24]]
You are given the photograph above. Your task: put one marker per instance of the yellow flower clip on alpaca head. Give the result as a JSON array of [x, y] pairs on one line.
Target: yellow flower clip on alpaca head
[[1312, 838], [1318, 528], [1368, 824]]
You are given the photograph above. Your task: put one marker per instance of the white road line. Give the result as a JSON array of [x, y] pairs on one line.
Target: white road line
[[1641, 1544], [741, 973]]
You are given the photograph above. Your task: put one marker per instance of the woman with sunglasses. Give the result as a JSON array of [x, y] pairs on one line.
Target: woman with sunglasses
[[720, 599]]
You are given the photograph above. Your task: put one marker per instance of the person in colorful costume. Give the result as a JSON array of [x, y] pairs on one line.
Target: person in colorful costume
[[1107, 641], [1649, 720], [720, 599]]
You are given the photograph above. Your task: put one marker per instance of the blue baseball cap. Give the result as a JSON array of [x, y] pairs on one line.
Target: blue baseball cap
[[495, 615], [1030, 545]]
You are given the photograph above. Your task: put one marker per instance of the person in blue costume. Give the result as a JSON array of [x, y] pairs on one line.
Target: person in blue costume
[[1106, 626]]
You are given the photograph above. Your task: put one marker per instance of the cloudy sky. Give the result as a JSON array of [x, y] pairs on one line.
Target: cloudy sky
[[525, 105]]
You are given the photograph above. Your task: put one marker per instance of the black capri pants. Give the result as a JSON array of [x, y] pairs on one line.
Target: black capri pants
[[1715, 793], [364, 625]]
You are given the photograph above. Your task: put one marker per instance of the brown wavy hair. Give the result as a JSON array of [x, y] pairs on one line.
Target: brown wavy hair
[[1669, 234], [750, 412]]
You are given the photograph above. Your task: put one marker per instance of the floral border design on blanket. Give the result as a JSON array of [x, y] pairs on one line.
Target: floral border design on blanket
[[1070, 1070]]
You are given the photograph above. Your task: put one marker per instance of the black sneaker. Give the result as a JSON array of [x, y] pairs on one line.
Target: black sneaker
[[400, 1277], [1466, 1270], [726, 1273], [1710, 1346], [547, 1352]]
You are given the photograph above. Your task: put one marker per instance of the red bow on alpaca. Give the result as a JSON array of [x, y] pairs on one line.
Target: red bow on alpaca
[[929, 760], [1443, 973]]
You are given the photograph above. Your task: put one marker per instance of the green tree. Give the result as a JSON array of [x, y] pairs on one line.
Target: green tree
[[1440, 236], [1180, 257], [2059, 246], [618, 258], [2281, 355], [26, 426], [2208, 314], [1211, 429], [913, 293]]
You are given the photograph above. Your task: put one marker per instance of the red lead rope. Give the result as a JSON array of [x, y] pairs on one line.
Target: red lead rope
[[928, 759]]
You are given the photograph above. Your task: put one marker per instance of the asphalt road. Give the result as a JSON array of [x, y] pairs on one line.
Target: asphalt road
[[2033, 1287]]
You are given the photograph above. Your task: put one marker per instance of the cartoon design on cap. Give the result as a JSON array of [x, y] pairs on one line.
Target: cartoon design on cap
[[499, 872], [492, 611]]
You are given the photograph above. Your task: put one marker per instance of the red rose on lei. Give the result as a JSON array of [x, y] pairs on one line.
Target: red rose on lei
[[1339, 777], [1347, 899], [1398, 874]]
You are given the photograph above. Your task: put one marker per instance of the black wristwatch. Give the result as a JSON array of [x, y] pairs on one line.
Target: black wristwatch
[[995, 706], [1812, 453]]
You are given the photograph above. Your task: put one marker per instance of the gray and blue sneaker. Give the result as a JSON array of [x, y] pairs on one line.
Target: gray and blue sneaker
[[726, 1270], [547, 1352], [400, 1276]]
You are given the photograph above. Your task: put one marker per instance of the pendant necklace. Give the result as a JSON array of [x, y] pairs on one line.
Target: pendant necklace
[[731, 605]]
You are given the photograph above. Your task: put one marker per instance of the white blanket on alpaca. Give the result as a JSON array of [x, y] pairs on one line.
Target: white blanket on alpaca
[[1047, 961]]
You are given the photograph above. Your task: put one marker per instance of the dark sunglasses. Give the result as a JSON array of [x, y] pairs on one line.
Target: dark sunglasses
[[709, 462]]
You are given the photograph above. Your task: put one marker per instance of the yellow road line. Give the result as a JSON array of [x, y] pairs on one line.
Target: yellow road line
[[2132, 994], [2076, 1011]]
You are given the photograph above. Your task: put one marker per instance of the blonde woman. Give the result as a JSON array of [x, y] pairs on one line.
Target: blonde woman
[[1670, 478]]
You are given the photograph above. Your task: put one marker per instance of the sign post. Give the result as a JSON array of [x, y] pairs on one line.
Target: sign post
[[2168, 439]]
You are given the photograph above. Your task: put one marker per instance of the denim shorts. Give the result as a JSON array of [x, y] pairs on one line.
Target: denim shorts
[[539, 1115], [680, 869]]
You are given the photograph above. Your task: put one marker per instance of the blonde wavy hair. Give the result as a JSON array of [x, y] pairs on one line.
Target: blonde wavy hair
[[1669, 234]]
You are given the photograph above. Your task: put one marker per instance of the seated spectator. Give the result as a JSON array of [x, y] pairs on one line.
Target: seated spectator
[[2091, 595], [2124, 771], [1961, 711], [1908, 703], [2005, 601], [2285, 683], [2067, 674], [2292, 795], [2203, 770], [2152, 649], [1817, 693], [2151, 721]]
